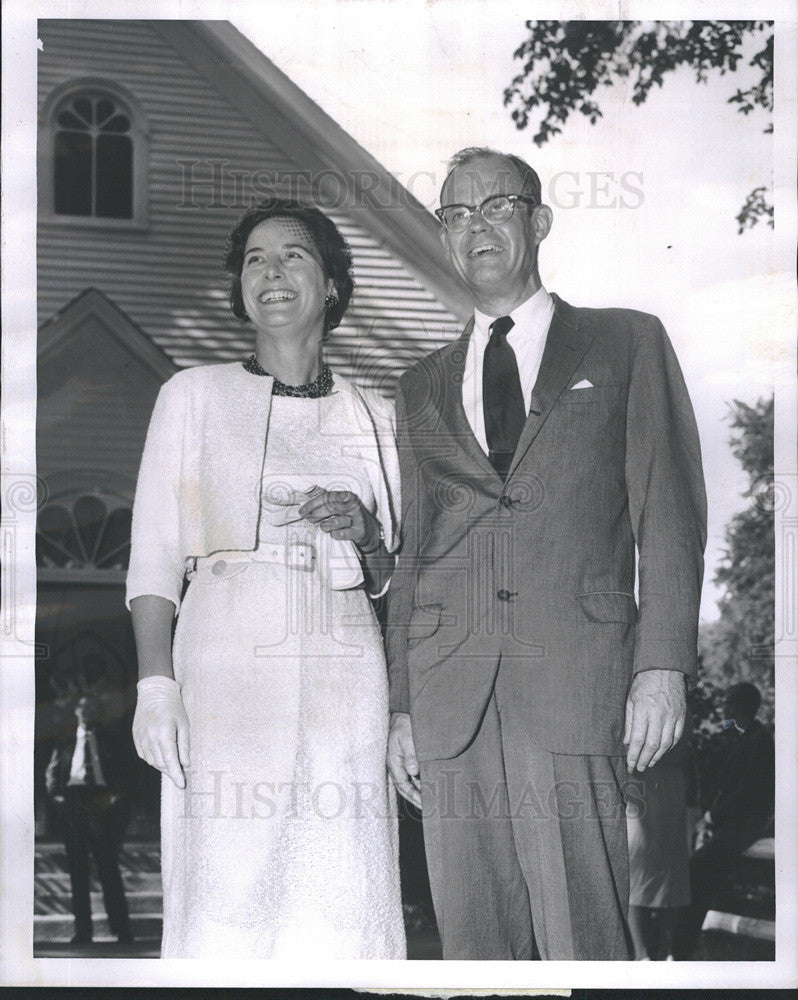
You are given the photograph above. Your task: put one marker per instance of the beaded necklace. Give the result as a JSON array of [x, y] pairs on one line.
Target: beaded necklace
[[320, 386]]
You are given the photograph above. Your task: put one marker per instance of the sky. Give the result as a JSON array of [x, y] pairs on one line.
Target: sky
[[644, 201]]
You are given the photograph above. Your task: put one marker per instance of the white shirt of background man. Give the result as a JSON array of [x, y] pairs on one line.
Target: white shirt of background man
[[85, 742]]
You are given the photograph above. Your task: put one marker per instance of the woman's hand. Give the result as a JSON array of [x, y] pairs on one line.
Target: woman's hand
[[341, 514], [160, 727]]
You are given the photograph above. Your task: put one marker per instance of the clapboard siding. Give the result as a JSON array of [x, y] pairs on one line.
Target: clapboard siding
[[169, 279]]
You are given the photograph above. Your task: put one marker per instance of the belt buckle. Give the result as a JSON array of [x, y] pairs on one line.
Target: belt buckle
[[300, 555]]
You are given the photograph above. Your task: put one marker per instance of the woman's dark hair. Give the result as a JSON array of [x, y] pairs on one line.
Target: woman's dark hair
[[336, 257]]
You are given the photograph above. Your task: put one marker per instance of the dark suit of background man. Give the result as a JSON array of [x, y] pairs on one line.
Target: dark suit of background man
[[86, 777], [536, 456], [740, 812]]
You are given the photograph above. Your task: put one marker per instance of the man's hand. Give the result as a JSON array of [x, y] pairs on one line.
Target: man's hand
[[655, 712], [402, 761], [704, 833]]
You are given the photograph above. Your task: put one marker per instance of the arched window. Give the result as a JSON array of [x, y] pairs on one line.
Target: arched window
[[93, 157], [93, 148], [84, 533]]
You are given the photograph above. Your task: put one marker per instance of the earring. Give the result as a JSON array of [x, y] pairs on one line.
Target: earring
[[331, 299]]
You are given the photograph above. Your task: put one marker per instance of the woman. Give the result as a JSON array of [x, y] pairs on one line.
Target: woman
[[659, 856], [272, 487]]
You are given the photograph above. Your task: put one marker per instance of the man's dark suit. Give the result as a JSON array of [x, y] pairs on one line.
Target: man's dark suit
[[513, 602], [740, 813], [93, 819]]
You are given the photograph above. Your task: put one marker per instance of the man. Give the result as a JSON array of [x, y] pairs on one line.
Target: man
[[536, 451], [84, 779], [740, 813]]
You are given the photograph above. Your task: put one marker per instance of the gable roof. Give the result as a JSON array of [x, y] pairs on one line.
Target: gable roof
[[226, 129], [93, 304], [98, 376], [349, 178]]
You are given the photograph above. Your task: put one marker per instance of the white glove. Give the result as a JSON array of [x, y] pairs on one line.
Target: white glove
[[160, 727]]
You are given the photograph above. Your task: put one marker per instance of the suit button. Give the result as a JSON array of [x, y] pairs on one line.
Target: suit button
[[218, 567], [504, 595], [506, 502]]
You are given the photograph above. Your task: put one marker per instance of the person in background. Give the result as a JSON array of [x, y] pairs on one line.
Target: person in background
[[659, 850], [739, 814], [86, 780]]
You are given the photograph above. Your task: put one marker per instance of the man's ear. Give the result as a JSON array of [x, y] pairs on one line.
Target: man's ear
[[542, 219]]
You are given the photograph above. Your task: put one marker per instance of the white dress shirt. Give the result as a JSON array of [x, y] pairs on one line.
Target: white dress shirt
[[527, 338], [85, 743]]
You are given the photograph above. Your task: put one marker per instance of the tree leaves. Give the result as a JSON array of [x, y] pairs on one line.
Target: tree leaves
[[740, 645], [566, 62]]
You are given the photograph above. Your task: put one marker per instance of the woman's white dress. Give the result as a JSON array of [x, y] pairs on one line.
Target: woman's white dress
[[284, 842]]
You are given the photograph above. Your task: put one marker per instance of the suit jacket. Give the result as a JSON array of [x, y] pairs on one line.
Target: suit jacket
[[539, 571], [743, 804], [199, 483], [114, 748]]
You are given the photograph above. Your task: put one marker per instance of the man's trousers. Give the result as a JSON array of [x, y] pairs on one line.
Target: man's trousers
[[526, 849], [85, 832]]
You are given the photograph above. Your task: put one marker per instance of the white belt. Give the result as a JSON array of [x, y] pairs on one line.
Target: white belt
[[296, 555]]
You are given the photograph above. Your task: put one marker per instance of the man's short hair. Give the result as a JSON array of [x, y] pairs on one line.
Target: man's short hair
[[745, 696], [530, 182]]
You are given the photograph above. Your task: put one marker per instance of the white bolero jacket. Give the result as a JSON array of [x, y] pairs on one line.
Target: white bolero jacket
[[199, 485]]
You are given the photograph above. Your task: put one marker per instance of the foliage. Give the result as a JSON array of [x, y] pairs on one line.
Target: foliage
[[755, 207], [740, 644], [704, 702], [565, 64]]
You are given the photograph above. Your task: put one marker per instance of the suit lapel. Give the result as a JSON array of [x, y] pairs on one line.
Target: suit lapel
[[451, 400], [566, 344]]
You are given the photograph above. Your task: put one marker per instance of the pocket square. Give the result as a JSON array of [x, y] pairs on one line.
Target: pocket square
[[584, 384]]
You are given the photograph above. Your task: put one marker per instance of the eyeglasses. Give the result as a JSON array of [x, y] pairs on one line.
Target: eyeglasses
[[498, 208]]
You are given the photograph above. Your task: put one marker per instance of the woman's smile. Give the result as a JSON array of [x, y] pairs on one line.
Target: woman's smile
[[282, 280], [277, 295]]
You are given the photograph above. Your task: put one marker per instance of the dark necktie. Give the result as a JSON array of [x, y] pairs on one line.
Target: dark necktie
[[88, 760], [502, 398]]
